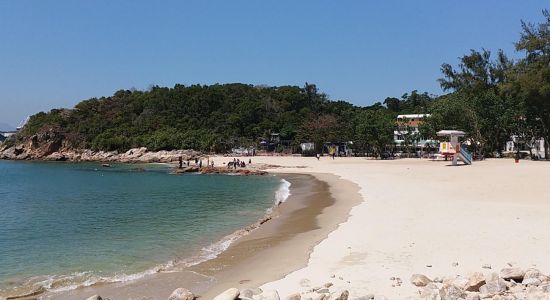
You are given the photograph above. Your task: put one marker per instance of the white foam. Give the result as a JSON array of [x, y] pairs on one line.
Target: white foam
[[283, 192]]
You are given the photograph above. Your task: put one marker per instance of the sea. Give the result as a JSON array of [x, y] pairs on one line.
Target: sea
[[67, 225]]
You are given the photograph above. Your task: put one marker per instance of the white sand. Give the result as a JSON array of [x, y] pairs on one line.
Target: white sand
[[417, 213]]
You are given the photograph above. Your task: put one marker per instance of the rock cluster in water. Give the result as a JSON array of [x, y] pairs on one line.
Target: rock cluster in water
[[219, 170]]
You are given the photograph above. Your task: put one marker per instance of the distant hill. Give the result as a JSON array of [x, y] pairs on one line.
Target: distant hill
[[201, 117], [215, 117], [6, 127]]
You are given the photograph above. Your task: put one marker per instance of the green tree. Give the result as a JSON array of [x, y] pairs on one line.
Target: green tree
[[376, 127]]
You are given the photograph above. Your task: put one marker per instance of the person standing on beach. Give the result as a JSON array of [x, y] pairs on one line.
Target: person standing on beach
[[181, 161], [318, 156]]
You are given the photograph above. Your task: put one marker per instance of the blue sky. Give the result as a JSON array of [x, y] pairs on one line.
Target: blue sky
[[56, 53]]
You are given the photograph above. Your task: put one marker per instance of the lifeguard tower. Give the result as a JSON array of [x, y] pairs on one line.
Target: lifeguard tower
[[452, 148]]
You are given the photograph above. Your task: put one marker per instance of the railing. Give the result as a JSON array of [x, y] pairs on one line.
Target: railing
[[467, 155]]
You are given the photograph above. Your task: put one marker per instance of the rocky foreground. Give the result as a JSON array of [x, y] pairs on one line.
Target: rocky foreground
[[510, 283]]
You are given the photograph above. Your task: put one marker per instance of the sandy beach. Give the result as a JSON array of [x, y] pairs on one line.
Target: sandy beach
[[421, 216]]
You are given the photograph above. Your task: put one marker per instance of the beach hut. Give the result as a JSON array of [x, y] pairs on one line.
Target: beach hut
[[452, 148]]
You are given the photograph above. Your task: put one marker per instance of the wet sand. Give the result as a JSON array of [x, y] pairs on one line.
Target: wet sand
[[268, 253]]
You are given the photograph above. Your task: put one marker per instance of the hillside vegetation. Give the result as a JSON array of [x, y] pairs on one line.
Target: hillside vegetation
[[211, 118]]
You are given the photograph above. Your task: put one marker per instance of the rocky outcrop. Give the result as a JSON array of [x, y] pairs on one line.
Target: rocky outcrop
[[530, 284], [476, 286], [54, 151], [225, 170]]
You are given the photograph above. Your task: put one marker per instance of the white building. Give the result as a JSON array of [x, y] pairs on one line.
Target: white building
[[407, 125], [537, 147]]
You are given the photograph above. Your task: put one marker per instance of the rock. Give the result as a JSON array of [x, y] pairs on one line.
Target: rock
[[455, 264], [420, 280], [343, 295], [512, 273], [305, 282], [493, 287], [94, 297], [246, 293], [472, 296], [429, 292], [517, 289], [531, 281], [475, 281], [328, 284], [370, 296], [294, 297], [181, 294], [320, 297], [268, 295], [532, 277], [230, 294], [492, 277], [256, 291], [486, 266], [459, 281], [451, 291], [323, 291], [56, 156]]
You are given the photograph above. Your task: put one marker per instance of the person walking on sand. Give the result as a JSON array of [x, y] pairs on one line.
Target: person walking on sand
[[318, 156]]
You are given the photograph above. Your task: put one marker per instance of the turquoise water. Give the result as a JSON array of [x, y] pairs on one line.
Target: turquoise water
[[64, 224]]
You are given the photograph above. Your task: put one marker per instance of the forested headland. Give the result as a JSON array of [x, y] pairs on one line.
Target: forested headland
[[490, 96]]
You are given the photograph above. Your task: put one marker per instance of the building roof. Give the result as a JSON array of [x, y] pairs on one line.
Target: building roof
[[413, 116], [450, 133]]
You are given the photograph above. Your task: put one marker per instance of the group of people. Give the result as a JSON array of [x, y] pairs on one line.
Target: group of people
[[238, 163], [198, 163], [332, 154]]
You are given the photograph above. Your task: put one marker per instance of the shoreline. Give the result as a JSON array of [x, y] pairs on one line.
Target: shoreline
[[260, 244], [287, 251]]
